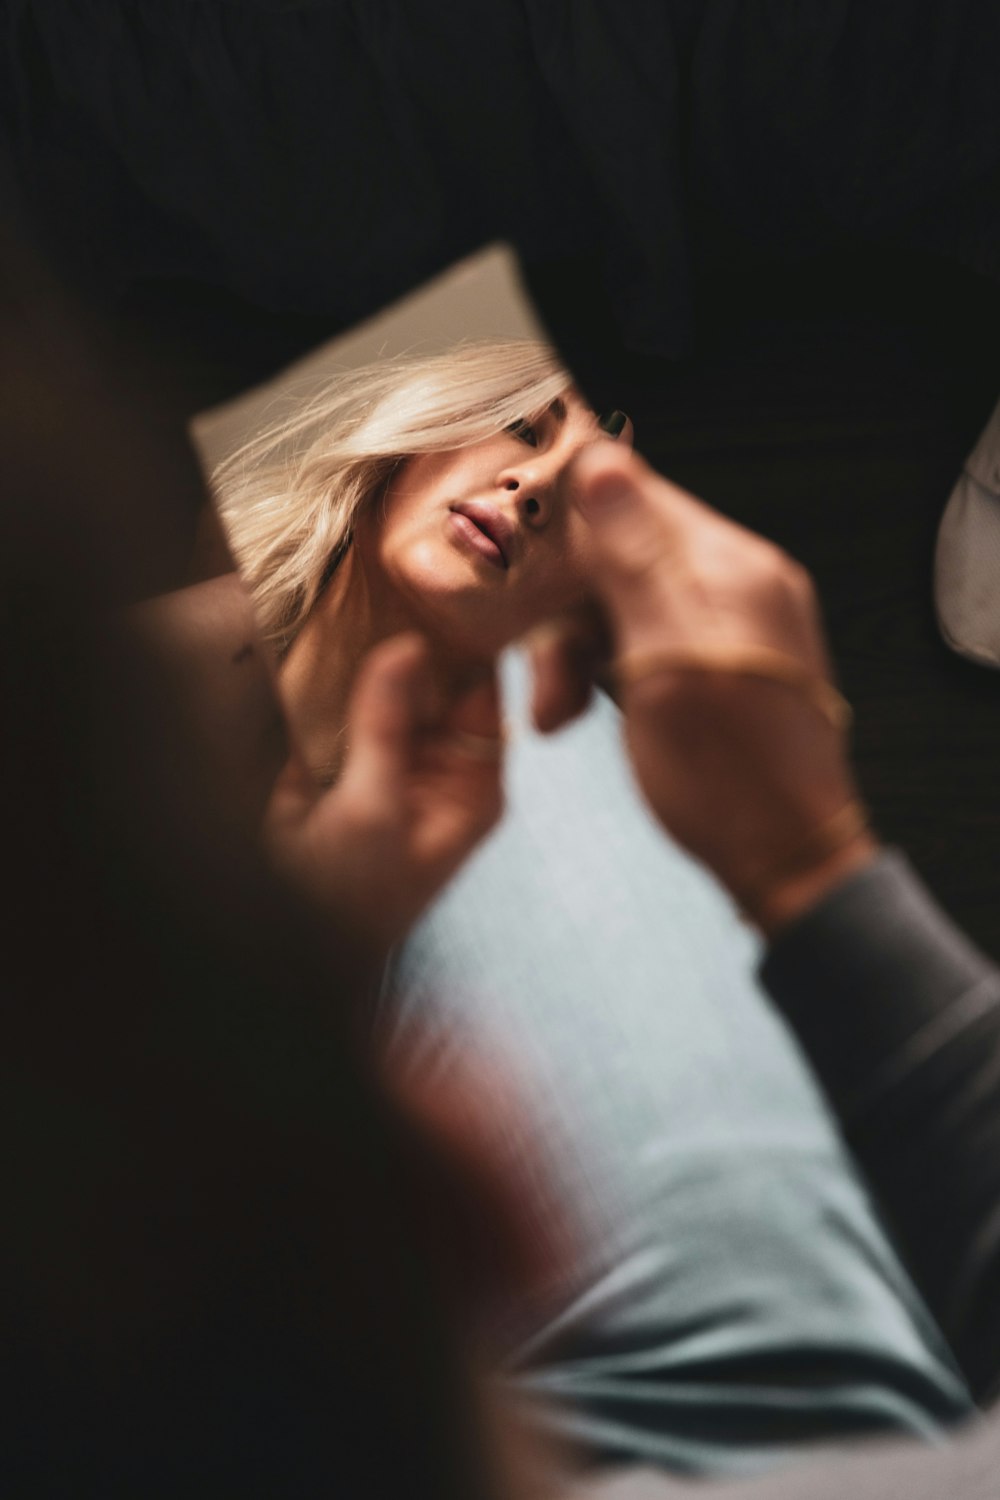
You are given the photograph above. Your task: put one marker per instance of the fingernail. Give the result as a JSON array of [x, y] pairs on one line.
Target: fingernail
[[614, 423]]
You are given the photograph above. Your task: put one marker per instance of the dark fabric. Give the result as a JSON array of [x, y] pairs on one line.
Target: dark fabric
[[319, 158], [868, 123]]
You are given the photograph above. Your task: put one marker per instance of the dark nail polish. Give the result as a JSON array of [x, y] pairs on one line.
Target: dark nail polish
[[613, 423]]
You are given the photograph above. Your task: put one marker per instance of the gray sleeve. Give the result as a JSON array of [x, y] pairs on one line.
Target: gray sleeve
[[900, 1016]]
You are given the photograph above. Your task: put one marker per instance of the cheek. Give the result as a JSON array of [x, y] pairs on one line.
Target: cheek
[[398, 547]]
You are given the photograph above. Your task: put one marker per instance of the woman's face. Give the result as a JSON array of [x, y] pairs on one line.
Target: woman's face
[[476, 545]]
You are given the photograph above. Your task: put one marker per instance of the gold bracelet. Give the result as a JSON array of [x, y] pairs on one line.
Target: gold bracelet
[[752, 661], [836, 834]]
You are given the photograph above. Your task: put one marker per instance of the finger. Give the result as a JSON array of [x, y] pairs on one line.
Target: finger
[[633, 536], [626, 437], [566, 656], [477, 711], [294, 792], [466, 745], [388, 706], [670, 570], [470, 726], [462, 763]]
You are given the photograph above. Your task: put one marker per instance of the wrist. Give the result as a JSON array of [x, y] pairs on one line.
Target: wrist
[[779, 903]]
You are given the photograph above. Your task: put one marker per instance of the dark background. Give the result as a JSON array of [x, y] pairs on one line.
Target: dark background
[[830, 405]]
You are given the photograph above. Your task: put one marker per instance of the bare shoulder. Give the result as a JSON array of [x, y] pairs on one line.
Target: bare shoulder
[[204, 637], [216, 613]]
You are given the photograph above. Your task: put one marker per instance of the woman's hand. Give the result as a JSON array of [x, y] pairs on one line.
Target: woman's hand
[[743, 770], [421, 787]]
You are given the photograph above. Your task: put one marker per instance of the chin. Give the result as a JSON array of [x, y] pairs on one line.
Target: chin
[[469, 610], [467, 618]]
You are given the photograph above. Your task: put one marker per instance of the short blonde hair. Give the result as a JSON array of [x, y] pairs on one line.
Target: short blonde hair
[[289, 498]]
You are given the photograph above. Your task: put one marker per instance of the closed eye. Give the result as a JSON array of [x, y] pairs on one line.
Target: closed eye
[[525, 431]]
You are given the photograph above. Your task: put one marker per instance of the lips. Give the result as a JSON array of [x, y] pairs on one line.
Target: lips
[[486, 529]]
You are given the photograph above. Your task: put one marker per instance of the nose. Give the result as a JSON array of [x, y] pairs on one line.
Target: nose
[[534, 486]]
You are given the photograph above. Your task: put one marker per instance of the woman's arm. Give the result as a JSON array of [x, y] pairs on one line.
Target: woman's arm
[[204, 639]]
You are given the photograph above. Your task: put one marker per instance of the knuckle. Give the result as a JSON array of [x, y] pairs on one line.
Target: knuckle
[[796, 589], [773, 571], [773, 563], [805, 585], [638, 559]]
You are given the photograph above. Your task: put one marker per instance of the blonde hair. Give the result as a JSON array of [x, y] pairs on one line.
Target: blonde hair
[[289, 497]]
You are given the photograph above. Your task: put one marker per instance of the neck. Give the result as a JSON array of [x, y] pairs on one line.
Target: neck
[[317, 675]]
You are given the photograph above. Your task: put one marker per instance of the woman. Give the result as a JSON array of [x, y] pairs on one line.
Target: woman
[[730, 1296], [420, 495]]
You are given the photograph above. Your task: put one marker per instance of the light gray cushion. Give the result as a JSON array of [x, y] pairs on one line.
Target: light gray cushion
[[733, 1296]]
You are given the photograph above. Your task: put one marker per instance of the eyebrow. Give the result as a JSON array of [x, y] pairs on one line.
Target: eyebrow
[[558, 409]]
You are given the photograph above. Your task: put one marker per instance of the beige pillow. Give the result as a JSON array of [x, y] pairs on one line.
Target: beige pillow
[[967, 557]]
